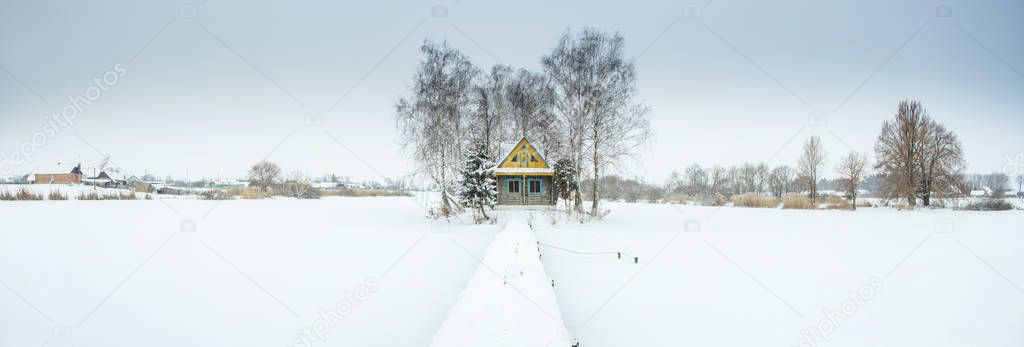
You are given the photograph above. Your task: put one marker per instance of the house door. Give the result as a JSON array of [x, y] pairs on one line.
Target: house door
[[514, 188]]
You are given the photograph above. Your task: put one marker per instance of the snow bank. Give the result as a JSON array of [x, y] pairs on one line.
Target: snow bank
[[509, 300]]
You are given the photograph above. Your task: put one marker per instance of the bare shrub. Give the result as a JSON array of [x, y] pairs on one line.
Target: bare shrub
[[215, 194], [837, 203], [24, 194], [797, 202], [754, 200], [90, 196], [56, 195], [989, 205], [719, 199], [361, 193], [245, 192]]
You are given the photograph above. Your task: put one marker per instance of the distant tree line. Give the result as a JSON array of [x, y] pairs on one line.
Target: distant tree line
[[917, 159]]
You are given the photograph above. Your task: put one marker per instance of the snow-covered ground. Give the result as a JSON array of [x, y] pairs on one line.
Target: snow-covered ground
[[741, 277], [509, 301], [353, 271], [375, 272]]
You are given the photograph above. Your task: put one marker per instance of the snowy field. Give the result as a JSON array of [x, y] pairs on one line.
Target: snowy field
[[252, 273], [375, 272], [746, 277]]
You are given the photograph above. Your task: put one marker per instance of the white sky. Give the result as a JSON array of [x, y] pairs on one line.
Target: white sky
[[215, 93]]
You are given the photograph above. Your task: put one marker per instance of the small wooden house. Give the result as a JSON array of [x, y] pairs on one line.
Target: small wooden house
[[524, 177]]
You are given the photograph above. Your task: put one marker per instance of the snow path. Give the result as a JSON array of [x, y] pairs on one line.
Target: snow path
[[509, 301]]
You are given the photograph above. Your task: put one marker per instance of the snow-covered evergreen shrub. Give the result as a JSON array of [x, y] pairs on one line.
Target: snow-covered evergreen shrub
[[478, 188], [564, 180]]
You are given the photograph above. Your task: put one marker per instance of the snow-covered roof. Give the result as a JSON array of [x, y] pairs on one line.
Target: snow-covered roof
[[325, 185], [523, 170], [231, 182], [96, 180]]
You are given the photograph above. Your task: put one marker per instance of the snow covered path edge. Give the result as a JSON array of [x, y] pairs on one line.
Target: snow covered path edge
[[509, 300]]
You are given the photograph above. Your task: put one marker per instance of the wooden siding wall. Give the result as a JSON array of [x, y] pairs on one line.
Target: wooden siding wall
[[546, 196]]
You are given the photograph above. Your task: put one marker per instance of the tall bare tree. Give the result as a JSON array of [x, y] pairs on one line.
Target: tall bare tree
[[899, 149], [567, 66], [747, 178], [918, 156], [490, 112], [696, 180], [530, 96], [851, 169], [942, 162], [530, 99], [264, 174], [595, 88], [809, 165], [717, 180], [433, 120], [779, 180], [761, 176]]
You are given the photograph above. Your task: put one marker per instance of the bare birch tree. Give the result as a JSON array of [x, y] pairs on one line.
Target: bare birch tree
[[490, 114], [433, 120], [618, 123], [529, 99], [571, 69], [809, 165]]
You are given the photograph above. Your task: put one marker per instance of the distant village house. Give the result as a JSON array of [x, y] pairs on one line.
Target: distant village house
[[74, 177]]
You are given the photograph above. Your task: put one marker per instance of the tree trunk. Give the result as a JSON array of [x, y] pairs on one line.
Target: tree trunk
[[593, 204], [593, 207], [445, 205], [578, 204], [578, 200]]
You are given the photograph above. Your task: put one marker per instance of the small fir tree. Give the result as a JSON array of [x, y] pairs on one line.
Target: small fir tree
[[478, 184], [565, 179]]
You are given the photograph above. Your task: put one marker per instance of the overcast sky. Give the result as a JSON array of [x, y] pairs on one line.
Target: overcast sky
[[215, 90]]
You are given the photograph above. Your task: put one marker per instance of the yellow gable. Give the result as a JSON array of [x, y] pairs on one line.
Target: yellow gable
[[524, 156]]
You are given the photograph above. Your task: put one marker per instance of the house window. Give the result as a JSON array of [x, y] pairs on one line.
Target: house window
[[512, 186], [533, 158], [515, 159], [534, 185]]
